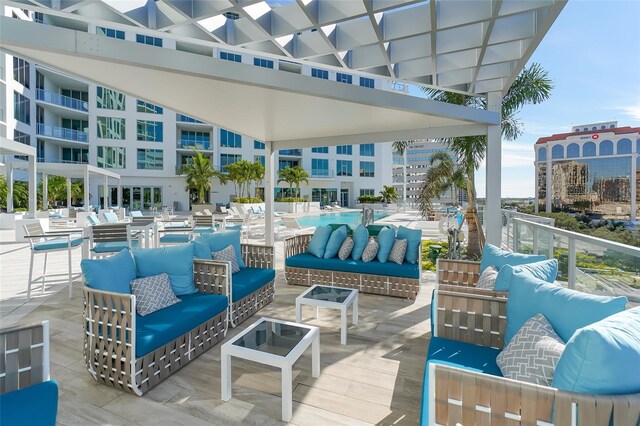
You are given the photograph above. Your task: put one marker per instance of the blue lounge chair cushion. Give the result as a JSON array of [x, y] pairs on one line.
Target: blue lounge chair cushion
[[335, 242], [249, 280], [135, 213], [546, 270], [35, 405], [161, 327], [110, 274], [175, 238], [603, 358], [93, 219], [206, 243], [319, 240], [56, 216], [390, 269], [456, 354], [113, 246], [414, 238], [110, 217], [360, 239], [494, 256], [57, 243], [567, 310], [177, 261], [203, 229], [386, 237]]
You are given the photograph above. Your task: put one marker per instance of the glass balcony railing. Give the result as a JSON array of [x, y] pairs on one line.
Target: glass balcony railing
[[291, 152], [61, 100], [322, 173], [188, 144], [62, 133], [186, 119]]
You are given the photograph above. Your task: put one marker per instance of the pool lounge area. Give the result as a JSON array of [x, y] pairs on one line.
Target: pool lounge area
[[351, 218]]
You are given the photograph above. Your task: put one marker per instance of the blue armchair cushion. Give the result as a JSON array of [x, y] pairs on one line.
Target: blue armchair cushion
[[216, 242], [603, 358], [35, 405], [177, 261], [414, 238], [57, 243], [386, 238], [335, 242], [567, 310], [249, 280], [360, 239], [494, 256], [135, 213], [318, 243], [113, 246], [546, 270], [111, 274], [110, 217], [306, 260], [161, 327]]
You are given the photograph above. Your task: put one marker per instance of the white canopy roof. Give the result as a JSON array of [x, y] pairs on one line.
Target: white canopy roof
[[11, 147]]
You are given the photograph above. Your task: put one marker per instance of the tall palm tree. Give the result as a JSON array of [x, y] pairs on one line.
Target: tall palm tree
[[389, 194], [199, 174], [257, 176], [294, 176], [401, 148], [532, 86]]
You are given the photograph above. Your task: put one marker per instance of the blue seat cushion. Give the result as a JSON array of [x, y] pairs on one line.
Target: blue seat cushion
[[177, 261], [206, 243], [249, 280], [57, 243], [113, 246], [161, 327], [175, 238], [111, 274], [35, 405], [495, 256], [391, 269], [546, 270], [456, 354]]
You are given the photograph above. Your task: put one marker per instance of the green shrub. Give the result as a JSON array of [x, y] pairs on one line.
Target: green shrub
[[291, 200], [247, 200], [427, 264], [369, 199]]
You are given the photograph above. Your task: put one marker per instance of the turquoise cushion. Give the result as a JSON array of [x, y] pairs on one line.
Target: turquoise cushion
[[177, 261], [203, 229], [603, 358], [56, 216], [391, 269], [360, 239], [319, 241], [57, 243], [161, 327], [335, 226], [249, 280], [335, 242], [35, 405], [546, 270], [110, 217], [175, 238], [386, 237], [456, 354], [110, 274], [494, 256], [567, 310], [374, 230], [113, 246], [218, 241], [135, 213], [93, 219], [414, 238]]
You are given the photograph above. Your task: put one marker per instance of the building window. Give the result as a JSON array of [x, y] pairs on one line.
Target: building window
[[557, 152], [317, 73], [624, 146], [573, 150], [21, 71], [21, 137], [367, 82], [264, 63], [367, 191], [606, 148], [589, 149], [612, 126], [75, 94], [229, 139], [199, 140], [542, 154], [368, 150], [151, 41], [344, 149], [603, 127], [367, 168], [110, 32], [258, 145], [40, 149], [344, 168], [75, 124], [38, 17], [111, 128], [150, 159], [147, 107], [21, 108], [319, 167], [110, 99], [150, 131], [320, 149], [233, 57], [259, 159], [75, 155], [226, 159], [112, 157], [344, 78], [231, 15]]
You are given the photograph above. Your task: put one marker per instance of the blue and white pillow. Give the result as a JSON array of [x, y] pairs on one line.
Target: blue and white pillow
[[153, 293], [227, 254]]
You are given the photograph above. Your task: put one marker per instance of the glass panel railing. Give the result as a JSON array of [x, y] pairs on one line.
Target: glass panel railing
[[321, 173], [291, 152], [186, 119], [61, 100], [188, 144], [62, 133]]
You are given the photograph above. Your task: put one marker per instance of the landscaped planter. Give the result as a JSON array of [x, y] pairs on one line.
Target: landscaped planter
[[8, 220], [304, 207]]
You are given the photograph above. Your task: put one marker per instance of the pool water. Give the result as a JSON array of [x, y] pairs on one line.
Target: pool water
[[350, 218]]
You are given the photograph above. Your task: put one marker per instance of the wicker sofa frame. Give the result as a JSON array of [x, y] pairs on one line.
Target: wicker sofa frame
[[24, 356], [458, 396], [365, 283]]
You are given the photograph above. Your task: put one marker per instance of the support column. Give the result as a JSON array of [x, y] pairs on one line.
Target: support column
[[404, 178], [33, 192], [68, 193], [45, 191], [549, 182], [86, 190], [105, 193], [120, 193], [634, 185], [269, 187], [493, 216], [9, 188]]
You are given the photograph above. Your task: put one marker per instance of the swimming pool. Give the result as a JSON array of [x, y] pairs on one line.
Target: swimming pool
[[350, 218]]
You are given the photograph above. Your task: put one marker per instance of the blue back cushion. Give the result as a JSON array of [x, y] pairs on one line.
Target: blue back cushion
[[360, 239], [177, 261], [93, 219], [386, 237], [111, 274], [110, 217], [494, 256], [546, 270], [567, 310], [319, 241], [216, 242], [413, 237], [335, 241]]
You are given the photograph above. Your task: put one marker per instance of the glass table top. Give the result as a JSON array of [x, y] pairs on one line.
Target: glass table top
[[273, 338], [329, 294]]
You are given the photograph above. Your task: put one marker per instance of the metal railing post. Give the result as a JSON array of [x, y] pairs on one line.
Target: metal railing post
[[551, 243], [516, 237], [572, 263], [534, 232]]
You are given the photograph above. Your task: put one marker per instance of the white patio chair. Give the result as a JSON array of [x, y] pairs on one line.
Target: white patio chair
[[110, 238], [292, 224]]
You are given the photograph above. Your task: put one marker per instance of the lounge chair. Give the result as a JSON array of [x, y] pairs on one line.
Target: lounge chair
[[292, 224]]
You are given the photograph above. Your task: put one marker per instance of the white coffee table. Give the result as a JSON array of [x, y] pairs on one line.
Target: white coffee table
[[330, 297], [276, 343]]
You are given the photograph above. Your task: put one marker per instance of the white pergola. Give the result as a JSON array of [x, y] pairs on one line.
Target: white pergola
[[473, 47], [10, 147]]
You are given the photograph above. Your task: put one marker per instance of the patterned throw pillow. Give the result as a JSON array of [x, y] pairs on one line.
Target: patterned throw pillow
[[227, 254], [398, 251], [370, 251], [345, 248], [153, 293], [487, 278], [533, 353]]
